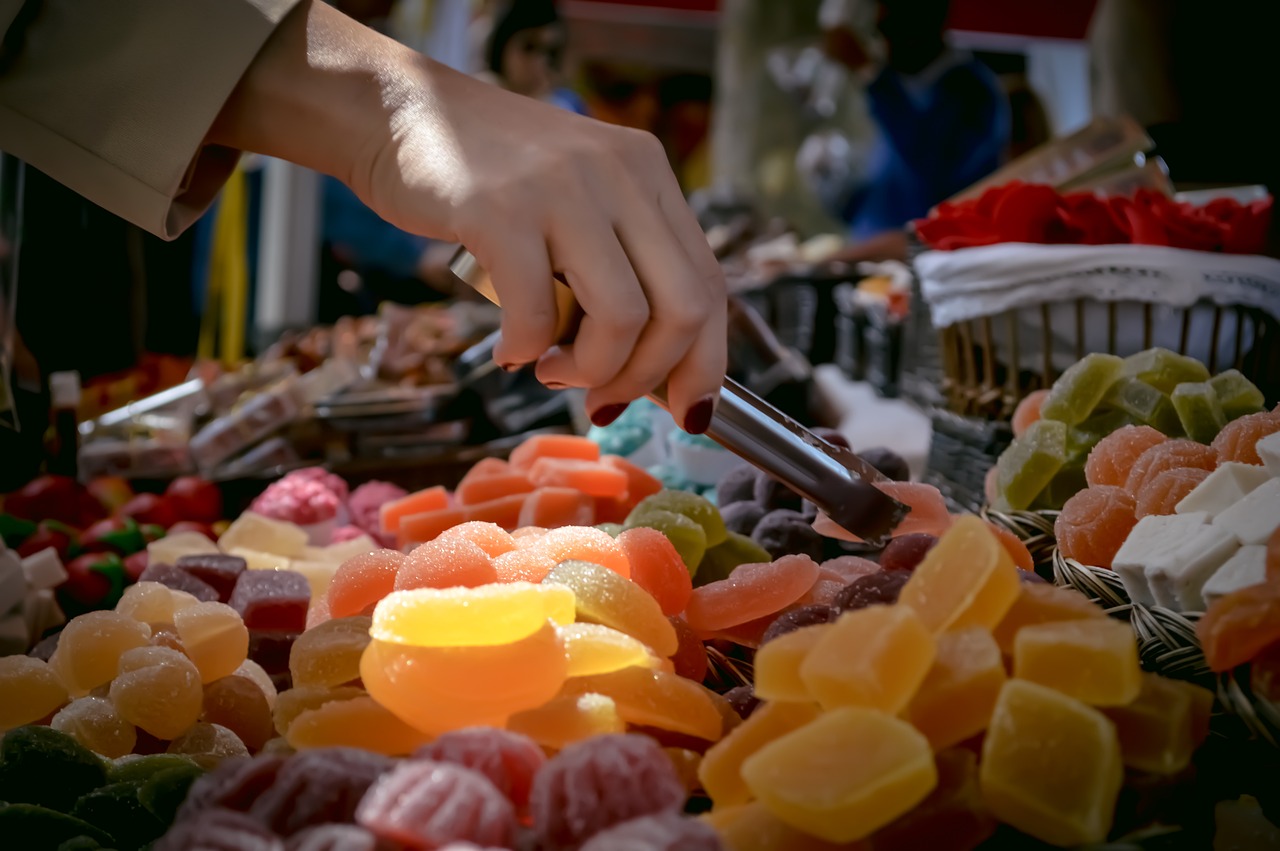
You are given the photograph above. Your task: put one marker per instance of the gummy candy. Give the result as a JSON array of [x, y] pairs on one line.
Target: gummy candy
[[1093, 661], [773, 494], [777, 665], [1155, 729], [1050, 765], [849, 568], [293, 702], [875, 657], [904, 552], [428, 525], [333, 837], [655, 699], [272, 600], [158, 690], [695, 507], [329, 654], [490, 537], [115, 808], [602, 596], [446, 563], [1198, 410], [690, 659], [153, 603], [597, 783], [957, 696], [751, 827], [240, 705], [721, 768], [29, 691], [40, 765], [798, 618], [252, 531], [233, 785], [737, 485], [1168, 489], [583, 543], [928, 511], [742, 517], [784, 532], [881, 588], [509, 760], [477, 486], [657, 568], [470, 617], [208, 744], [1114, 455], [1239, 626], [1094, 524], [844, 775], [1138, 402], [953, 816], [523, 565], [553, 507], [596, 649], [1028, 411], [1078, 391], [553, 446], [90, 647], [658, 832], [593, 478], [1042, 603], [1238, 440], [1030, 462], [360, 722], [1168, 456], [568, 718], [719, 561], [215, 638], [391, 513], [967, 579], [219, 571], [95, 723], [1236, 394], [686, 535], [219, 830], [424, 804], [503, 512], [1164, 369], [271, 650], [1014, 546], [318, 786], [823, 592], [751, 591]]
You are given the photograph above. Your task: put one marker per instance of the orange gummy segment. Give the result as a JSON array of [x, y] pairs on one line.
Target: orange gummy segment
[[1014, 547], [426, 526], [966, 579], [751, 591], [1168, 489], [1168, 456], [362, 581], [1028, 411], [721, 767], [430, 499], [657, 568], [591, 477], [490, 537], [553, 446], [584, 543], [655, 699], [1240, 625], [640, 483], [568, 718], [1238, 439], [553, 507], [1042, 603], [472, 490], [1113, 456], [958, 694], [357, 723], [446, 563], [1094, 524]]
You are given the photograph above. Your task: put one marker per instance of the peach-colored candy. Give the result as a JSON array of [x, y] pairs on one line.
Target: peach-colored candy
[[568, 718], [490, 537], [157, 689], [1167, 490], [362, 581], [553, 446], [593, 478], [29, 691], [293, 702], [847, 569], [318, 611], [527, 534], [655, 699], [239, 704], [1094, 524], [90, 647], [823, 592], [446, 563], [475, 489], [153, 603], [966, 579], [1013, 546], [357, 723], [214, 637], [1239, 438], [657, 568], [1042, 603], [552, 507], [991, 484], [1168, 456], [584, 543], [504, 512], [1028, 411], [751, 591], [427, 526], [928, 512], [1111, 459], [524, 564]]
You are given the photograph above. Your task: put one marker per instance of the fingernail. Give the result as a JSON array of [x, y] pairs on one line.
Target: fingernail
[[555, 385], [698, 419], [606, 414], [511, 367]]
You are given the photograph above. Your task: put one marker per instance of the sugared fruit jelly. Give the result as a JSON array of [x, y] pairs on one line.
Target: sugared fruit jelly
[[219, 570], [1199, 410], [844, 775], [1079, 390], [1094, 523], [1028, 411], [479, 485], [1164, 369], [655, 699], [752, 827], [686, 535], [1041, 602], [208, 745], [179, 580], [29, 691], [90, 646], [967, 579], [1114, 455], [591, 477], [549, 508], [509, 760], [751, 591], [1139, 402], [1093, 661], [1030, 462], [215, 638], [446, 563], [152, 603], [157, 690], [239, 704], [1236, 394], [584, 543], [657, 568], [329, 654], [721, 560], [523, 564], [470, 617], [956, 698], [1155, 729], [777, 664], [1051, 765], [357, 723], [604, 597], [293, 702], [424, 804], [272, 600], [490, 537], [721, 767], [1168, 456], [1167, 490], [695, 507], [95, 723], [953, 816], [874, 657], [1238, 440], [362, 581], [597, 649], [1240, 625], [553, 446], [568, 718], [667, 831]]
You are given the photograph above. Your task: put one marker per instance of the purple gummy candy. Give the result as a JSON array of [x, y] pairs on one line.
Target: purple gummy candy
[[425, 804], [220, 571], [509, 760], [668, 831], [797, 618], [333, 837], [737, 485], [784, 532], [743, 700], [275, 600], [318, 786], [599, 782], [880, 588], [905, 552], [234, 785], [218, 830], [179, 580], [888, 462], [742, 517], [271, 650], [773, 494]]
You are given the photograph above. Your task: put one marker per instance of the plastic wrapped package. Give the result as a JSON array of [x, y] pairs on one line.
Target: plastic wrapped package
[[254, 419]]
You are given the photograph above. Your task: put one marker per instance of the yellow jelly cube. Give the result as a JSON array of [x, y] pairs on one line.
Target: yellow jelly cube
[[1051, 765], [956, 698], [357, 723], [593, 648], [1042, 603], [721, 770], [777, 664], [656, 699], [1095, 661], [486, 616], [845, 775], [566, 719], [967, 579], [1156, 729], [874, 657], [751, 827]]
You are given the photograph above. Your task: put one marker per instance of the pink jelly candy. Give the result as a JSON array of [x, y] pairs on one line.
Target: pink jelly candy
[[220, 571], [1238, 440], [333, 837], [490, 537], [272, 600], [361, 581], [1113, 456], [1169, 455], [508, 759], [234, 785], [219, 830], [848, 568], [317, 787], [424, 804], [660, 832], [928, 512], [752, 591], [1167, 490], [1094, 524], [446, 563]]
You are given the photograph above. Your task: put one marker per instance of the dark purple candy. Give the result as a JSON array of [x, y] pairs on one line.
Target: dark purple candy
[[773, 494], [274, 600], [877, 589], [888, 462], [742, 517], [743, 700], [737, 485], [271, 650], [179, 580], [832, 436], [318, 786], [333, 837], [658, 832], [905, 552], [797, 618], [218, 830], [234, 785], [219, 570], [45, 647], [784, 532]]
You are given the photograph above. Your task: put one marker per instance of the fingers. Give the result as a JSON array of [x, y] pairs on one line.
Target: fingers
[[521, 273]]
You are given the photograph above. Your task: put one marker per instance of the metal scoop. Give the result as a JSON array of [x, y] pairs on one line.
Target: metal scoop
[[831, 477]]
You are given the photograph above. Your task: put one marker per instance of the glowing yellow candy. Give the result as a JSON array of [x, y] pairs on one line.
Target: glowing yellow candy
[[470, 617], [596, 649]]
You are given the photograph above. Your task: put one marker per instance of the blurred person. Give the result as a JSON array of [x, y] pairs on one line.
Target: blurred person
[[525, 54]]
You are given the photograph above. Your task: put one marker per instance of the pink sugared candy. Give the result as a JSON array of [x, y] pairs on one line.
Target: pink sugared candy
[[219, 830], [509, 760], [751, 591], [1168, 489], [333, 837], [1113, 456], [365, 501], [299, 500], [446, 563], [1169, 455], [490, 537], [427, 805], [220, 571], [318, 786], [1094, 524], [1239, 438], [668, 831], [272, 600]]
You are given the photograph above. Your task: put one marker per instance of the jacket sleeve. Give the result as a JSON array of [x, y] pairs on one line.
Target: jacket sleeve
[[114, 99]]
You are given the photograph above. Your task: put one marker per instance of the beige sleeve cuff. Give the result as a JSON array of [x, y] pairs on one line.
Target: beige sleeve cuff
[[115, 99]]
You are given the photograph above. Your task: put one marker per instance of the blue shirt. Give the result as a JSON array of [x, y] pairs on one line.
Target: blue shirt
[[364, 239]]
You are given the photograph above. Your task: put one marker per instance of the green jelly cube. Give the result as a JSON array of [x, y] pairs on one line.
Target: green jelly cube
[[1065, 484], [1145, 405], [164, 791], [691, 505], [1083, 437], [28, 826], [610, 529], [1079, 390], [1163, 369], [117, 810], [1031, 462], [1236, 394], [1199, 410], [685, 535], [39, 765], [721, 559]]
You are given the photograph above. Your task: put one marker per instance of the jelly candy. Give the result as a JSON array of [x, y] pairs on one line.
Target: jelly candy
[[742, 517], [844, 775], [784, 532], [1141, 403], [163, 791], [179, 580], [737, 485], [553, 507], [953, 815], [1050, 765], [446, 563], [777, 664], [153, 603], [477, 486], [655, 699], [721, 560], [158, 690], [593, 478], [509, 760], [470, 617], [967, 579], [1042, 603], [604, 597], [568, 718], [721, 768], [29, 691], [848, 568], [233, 785], [1239, 626], [751, 827], [823, 592], [219, 830], [391, 513], [595, 649], [957, 696], [240, 705], [1168, 456], [583, 543], [1168, 489], [875, 589], [427, 526], [1079, 390], [319, 786], [1094, 523], [1164, 369], [690, 659], [220, 571], [503, 512], [271, 651], [1093, 661], [360, 722], [333, 837], [928, 511], [666, 831], [751, 591], [40, 765], [524, 564], [90, 647], [773, 494], [1114, 455], [1156, 728], [1030, 462], [293, 702], [424, 804], [115, 808], [95, 723], [490, 537], [875, 657], [695, 507], [1236, 394], [798, 618], [1198, 410], [1014, 546], [657, 568], [904, 552], [553, 446], [686, 535], [208, 744], [272, 600], [1028, 411], [253, 531], [595, 784], [1238, 440], [329, 654], [215, 638]]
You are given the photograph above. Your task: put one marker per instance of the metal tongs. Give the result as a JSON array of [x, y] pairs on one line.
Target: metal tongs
[[836, 480]]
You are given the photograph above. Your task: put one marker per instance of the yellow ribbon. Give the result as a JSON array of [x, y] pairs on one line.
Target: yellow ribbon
[[227, 294]]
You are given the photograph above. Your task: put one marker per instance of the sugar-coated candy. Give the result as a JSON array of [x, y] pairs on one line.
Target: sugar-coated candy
[[773, 494], [904, 552], [1247, 567], [490, 537], [602, 596], [115, 809], [593, 648], [219, 830], [31, 826], [446, 563], [220, 571], [1093, 661], [1031, 462], [549, 508], [1051, 765], [1199, 410], [785, 532], [876, 589], [509, 760], [657, 568], [40, 765], [737, 485], [29, 691], [952, 816], [823, 592], [333, 837], [90, 646], [179, 580], [1168, 456], [967, 579], [958, 693], [778, 663], [1156, 729], [523, 564], [1041, 602], [721, 768], [595, 784], [1223, 488], [691, 505], [1167, 490], [685, 534], [1137, 401], [329, 654], [875, 657], [95, 723], [584, 543], [751, 591], [425, 804], [272, 600], [568, 718], [848, 568], [293, 702], [1236, 394], [233, 785], [798, 618], [253, 531], [1114, 455], [171, 547], [690, 659], [658, 832], [152, 603], [752, 827], [1079, 390], [1239, 439], [360, 722], [208, 744], [316, 787], [658, 699], [362, 581], [742, 517], [1166, 560], [1093, 524], [553, 446], [1240, 626], [470, 617], [157, 690], [721, 560], [239, 704], [214, 637], [1164, 369], [1256, 517], [271, 650]]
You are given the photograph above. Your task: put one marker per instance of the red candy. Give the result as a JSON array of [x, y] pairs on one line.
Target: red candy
[[427, 805], [657, 568], [509, 760], [318, 787], [272, 600]]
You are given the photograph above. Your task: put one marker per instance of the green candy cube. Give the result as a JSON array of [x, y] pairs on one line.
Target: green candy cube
[[1079, 390], [1236, 394], [1145, 405], [1065, 484], [1199, 410], [1083, 437], [721, 559], [1163, 369], [613, 530], [685, 535], [691, 505], [1031, 462]]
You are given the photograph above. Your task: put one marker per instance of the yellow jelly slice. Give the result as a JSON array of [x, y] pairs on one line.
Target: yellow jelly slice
[[293, 702], [356, 723], [721, 769], [958, 694], [568, 718], [1051, 765], [751, 827], [593, 648], [214, 637], [655, 699], [29, 690], [875, 657], [777, 664], [605, 597], [1095, 661], [967, 579], [845, 775], [1156, 730], [1042, 603], [470, 617]]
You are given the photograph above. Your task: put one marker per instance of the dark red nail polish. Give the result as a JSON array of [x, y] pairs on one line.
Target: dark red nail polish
[[511, 367], [606, 414], [698, 419]]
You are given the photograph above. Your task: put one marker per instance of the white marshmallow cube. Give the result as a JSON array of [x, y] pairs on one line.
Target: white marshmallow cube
[[1255, 517], [1223, 488], [1247, 567]]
